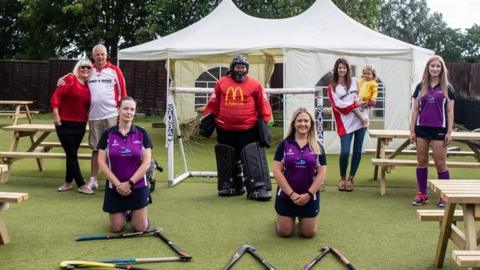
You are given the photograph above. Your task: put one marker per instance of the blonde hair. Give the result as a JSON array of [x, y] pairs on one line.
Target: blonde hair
[[371, 69], [427, 79], [312, 137], [81, 62]]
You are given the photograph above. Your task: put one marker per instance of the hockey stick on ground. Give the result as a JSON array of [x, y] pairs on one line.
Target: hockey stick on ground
[[86, 264], [324, 251], [342, 258], [143, 260], [236, 256], [266, 264], [114, 236], [182, 253]]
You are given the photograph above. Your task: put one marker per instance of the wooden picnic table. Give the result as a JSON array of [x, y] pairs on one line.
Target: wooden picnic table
[[5, 199], [37, 134], [384, 137], [467, 194], [17, 113]]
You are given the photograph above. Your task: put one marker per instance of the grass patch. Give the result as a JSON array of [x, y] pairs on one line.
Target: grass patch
[[374, 232]]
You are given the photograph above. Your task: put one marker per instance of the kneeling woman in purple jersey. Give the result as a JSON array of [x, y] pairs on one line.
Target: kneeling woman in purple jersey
[[128, 149], [299, 167], [431, 124]]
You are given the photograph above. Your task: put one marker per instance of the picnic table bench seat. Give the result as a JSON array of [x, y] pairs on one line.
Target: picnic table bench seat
[[387, 164], [49, 145], [5, 199], [466, 258], [414, 152], [437, 215], [19, 155]]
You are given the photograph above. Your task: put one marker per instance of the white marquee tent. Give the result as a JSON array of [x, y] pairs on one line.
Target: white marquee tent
[[307, 44]]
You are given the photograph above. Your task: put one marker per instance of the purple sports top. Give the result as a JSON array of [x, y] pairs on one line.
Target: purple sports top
[[433, 106], [125, 152], [299, 164]]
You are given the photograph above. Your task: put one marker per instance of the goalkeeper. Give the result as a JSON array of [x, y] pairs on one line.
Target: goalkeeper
[[238, 102]]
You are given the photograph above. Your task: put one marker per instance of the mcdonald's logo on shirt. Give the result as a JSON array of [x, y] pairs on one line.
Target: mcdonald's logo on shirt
[[231, 96]]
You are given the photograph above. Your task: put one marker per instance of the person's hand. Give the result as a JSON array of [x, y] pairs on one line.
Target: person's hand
[[124, 189], [61, 81], [448, 138], [372, 103], [413, 137], [270, 123], [300, 199], [56, 119], [362, 104]]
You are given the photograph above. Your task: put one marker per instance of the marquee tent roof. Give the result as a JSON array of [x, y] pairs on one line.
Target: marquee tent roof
[[227, 30]]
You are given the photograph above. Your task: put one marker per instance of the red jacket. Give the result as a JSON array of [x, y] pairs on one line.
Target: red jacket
[[72, 100], [238, 106]]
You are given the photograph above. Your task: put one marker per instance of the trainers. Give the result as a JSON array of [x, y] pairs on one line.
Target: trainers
[[93, 183], [420, 199], [260, 194], [230, 191], [441, 202]]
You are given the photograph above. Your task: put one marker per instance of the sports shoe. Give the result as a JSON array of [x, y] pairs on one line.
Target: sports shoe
[[230, 191], [93, 183], [420, 199], [441, 202], [260, 194]]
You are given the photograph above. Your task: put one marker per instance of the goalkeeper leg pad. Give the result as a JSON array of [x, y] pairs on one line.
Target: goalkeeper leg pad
[[257, 175], [225, 156]]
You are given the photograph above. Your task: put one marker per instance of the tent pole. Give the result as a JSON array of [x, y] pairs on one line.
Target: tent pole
[[169, 128], [284, 86]]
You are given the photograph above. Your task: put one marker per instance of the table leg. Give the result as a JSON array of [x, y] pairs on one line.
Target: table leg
[[445, 229], [377, 155], [27, 112], [4, 238], [17, 114], [470, 230], [474, 148]]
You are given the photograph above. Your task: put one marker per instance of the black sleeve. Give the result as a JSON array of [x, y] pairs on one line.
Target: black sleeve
[[147, 142], [322, 158], [102, 144], [417, 90], [279, 152], [451, 92]]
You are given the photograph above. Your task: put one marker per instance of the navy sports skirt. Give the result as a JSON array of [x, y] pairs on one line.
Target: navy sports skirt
[[285, 207], [113, 202]]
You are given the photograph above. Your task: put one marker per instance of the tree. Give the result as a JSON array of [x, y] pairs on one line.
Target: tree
[[366, 12], [472, 44], [9, 28]]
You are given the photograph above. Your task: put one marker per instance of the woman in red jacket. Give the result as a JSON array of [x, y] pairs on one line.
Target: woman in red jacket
[[70, 103]]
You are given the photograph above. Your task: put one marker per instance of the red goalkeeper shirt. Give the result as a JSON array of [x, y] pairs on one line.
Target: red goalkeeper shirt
[[238, 106]]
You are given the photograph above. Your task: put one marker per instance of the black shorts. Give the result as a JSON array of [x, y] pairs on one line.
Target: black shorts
[[285, 207], [431, 133], [113, 202]]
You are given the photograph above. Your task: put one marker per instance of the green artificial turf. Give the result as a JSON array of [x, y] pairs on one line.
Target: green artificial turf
[[374, 232]]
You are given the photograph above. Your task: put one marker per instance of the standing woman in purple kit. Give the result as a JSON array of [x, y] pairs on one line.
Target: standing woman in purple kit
[[431, 124], [128, 149]]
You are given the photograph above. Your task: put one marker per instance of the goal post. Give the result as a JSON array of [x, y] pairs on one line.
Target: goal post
[[173, 132]]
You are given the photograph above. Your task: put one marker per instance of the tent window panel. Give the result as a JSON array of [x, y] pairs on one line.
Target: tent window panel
[[207, 79]]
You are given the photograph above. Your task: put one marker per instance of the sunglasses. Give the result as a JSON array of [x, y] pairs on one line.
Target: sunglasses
[[86, 66]]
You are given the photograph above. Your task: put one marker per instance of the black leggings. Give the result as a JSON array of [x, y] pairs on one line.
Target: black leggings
[[70, 135]]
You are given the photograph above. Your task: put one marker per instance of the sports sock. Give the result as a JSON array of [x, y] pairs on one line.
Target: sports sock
[[443, 175], [422, 175]]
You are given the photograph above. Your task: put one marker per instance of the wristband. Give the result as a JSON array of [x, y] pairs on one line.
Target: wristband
[[291, 193], [310, 193], [131, 183]]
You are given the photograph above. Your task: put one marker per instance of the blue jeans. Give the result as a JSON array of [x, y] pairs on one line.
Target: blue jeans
[[345, 143]]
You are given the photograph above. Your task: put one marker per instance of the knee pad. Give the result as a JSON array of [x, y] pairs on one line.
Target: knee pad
[[255, 168]]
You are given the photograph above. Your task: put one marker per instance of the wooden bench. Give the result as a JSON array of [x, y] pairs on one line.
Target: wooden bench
[[466, 258], [386, 165], [50, 145], [5, 199], [9, 157], [437, 215], [414, 152]]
